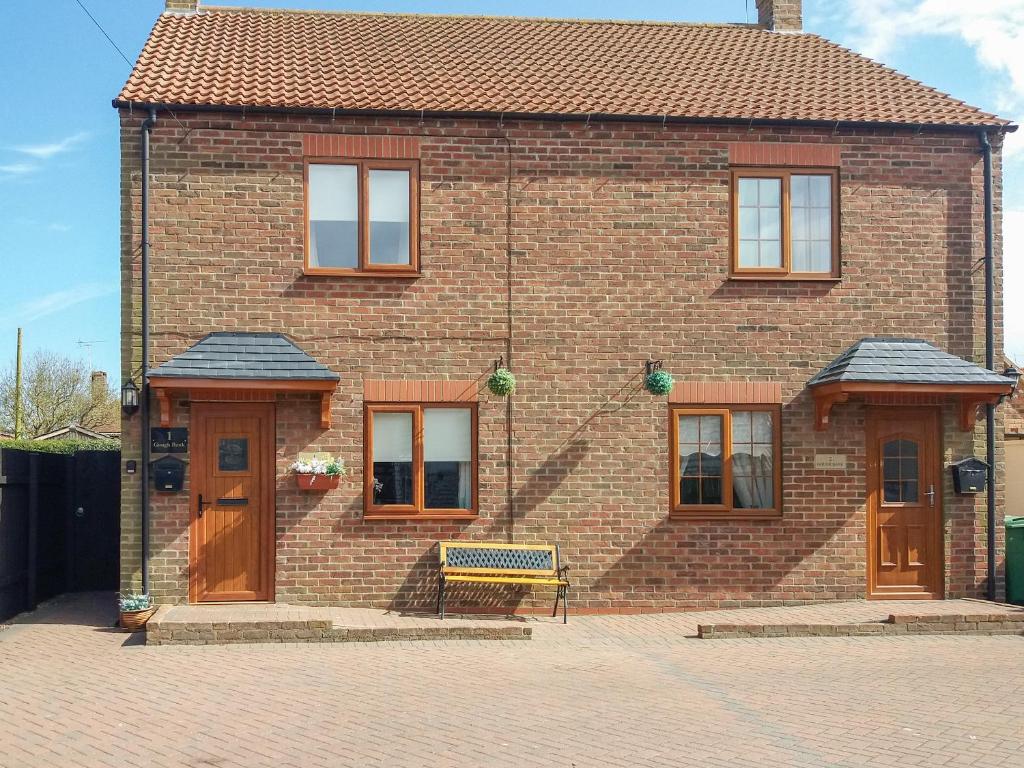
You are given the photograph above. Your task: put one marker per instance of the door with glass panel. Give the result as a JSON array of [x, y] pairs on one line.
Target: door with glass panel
[[421, 460], [905, 554], [231, 523]]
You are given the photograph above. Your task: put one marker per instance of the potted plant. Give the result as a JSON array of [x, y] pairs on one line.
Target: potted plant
[[319, 474], [135, 611]]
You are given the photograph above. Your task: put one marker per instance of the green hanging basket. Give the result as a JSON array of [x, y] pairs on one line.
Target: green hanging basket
[[502, 382], [658, 382]]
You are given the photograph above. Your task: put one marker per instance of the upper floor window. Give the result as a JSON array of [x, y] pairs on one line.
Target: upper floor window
[[726, 461], [420, 460], [785, 223], [361, 217]]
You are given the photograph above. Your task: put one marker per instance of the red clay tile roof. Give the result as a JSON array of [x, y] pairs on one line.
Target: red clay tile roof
[[378, 62]]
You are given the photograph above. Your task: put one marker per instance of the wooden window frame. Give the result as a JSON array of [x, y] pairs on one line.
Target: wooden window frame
[[785, 272], [366, 268], [726, 509], [416, 510]]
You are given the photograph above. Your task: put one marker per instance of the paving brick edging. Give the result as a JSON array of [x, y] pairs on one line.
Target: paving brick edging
[[896, 624], [160, 631]]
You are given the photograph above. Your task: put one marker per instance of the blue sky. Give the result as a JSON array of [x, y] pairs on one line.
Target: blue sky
[[59, 226]]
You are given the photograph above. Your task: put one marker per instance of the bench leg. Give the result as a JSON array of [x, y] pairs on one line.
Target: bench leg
[[565, 605], [558, 594], [440, 598], [440, 583]]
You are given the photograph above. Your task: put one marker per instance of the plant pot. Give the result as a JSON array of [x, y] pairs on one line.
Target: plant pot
[[135, 621], [317, 482]]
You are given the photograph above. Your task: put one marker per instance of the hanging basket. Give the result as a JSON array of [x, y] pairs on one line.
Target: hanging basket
[[317, 482], [502, 382], [135, 621], [658, 382]]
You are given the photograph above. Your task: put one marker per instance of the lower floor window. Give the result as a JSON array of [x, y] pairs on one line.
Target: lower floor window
[[421, 459], [725, 461]]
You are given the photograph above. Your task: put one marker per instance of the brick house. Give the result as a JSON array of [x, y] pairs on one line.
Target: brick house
[[353, 218]]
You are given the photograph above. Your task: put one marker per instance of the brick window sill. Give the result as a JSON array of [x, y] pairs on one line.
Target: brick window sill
[[413, 516], [727, 514], [385, 275], [784, 278]]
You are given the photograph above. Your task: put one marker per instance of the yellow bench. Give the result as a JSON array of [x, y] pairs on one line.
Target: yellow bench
[[535, 564]]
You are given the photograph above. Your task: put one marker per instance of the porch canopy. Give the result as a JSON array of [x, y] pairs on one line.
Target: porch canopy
[[891, 371], [244, 366]]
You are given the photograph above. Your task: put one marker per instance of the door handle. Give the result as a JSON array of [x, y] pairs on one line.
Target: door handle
[[931, 495], [201, 505]]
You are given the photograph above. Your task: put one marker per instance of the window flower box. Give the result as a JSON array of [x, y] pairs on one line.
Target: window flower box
[[319, 474], [312, 482]]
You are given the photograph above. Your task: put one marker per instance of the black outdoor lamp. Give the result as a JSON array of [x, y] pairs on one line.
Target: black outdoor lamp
[[1012, 372], [129, 397]]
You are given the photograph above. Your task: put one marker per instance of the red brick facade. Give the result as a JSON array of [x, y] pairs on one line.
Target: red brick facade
[[612, 242]]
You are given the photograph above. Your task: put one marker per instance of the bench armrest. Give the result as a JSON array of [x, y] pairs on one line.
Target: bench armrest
[[563, 569]]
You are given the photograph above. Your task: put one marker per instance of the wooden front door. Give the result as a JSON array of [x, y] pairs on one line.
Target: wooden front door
[[905, 557], [231, 528]]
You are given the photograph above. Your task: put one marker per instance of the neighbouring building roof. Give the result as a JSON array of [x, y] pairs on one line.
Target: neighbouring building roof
[[903, 361], [244, 355], [515, 66], [77, 430]]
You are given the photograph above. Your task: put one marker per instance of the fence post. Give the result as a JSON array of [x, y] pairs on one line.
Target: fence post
[[33, 531]]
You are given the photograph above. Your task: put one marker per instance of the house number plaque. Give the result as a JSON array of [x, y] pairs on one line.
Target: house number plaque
[[172, 440], [829, 461]]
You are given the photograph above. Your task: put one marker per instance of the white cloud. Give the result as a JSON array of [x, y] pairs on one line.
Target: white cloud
[[1013, 275], [58, 227], [56, 301], [46, 151], [992, 29], [17, 169]]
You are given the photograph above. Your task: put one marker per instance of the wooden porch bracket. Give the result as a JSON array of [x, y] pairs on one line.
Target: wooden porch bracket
[[967, 396], [165, 388]]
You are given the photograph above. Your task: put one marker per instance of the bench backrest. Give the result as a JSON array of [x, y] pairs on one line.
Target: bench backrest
[[520, 559]]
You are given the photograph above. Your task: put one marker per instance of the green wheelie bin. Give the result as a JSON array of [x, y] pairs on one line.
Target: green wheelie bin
[[1015, 560]]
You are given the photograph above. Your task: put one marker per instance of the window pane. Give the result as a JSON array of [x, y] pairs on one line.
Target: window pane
[[233, 454], [389, 217], [753, 460], [700, 459], [760, 222], [749, 253], [392, 458], [900, 471], [769, 192], [333, 216], [811, 215], [448, 458]]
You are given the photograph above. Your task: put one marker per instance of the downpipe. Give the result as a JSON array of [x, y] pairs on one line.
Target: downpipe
[[146, 130], [990, 410]]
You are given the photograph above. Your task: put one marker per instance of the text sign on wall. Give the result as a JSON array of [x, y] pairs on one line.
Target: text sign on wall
[[172, 440], [829, 461]]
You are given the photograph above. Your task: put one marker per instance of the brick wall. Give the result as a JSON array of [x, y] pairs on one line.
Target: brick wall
[[619, 242]]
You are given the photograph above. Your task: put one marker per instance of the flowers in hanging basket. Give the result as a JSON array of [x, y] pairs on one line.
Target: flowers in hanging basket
[[502, 382], [318, 474], [658, 382]]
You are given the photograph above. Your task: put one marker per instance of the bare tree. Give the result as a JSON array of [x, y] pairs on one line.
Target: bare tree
[[56, 391]]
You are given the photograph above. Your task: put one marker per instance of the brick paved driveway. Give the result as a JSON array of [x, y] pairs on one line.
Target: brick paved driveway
[[73, 693]]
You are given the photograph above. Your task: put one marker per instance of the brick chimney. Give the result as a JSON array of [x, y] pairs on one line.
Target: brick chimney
[[182, 5], [98, 384], [777, 15]]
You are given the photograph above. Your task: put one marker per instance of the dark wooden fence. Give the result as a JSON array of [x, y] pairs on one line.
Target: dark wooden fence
[[59, 525]]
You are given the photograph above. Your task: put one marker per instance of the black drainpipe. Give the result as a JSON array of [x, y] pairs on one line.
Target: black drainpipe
[[990, 410], [147, 127]]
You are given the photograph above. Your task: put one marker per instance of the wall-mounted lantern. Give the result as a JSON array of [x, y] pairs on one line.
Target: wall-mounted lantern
[[129, 397], [1012, 373]]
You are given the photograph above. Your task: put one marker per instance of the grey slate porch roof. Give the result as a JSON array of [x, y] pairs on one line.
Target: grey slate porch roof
[[903, 361], [247, 356]]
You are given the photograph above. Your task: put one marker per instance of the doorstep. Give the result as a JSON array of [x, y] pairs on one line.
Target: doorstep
[[867, 618], [280, 623]]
